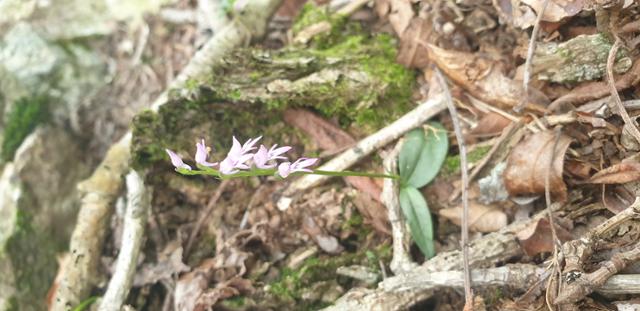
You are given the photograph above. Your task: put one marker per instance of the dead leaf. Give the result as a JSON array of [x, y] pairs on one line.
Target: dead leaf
[[482, 218], [556, 9], [529, 162], [412, 51], [623, 172], [165, 268], [537, 237], [589, 91], [401, 15], [483, 78], [617, 199], [491, 123], [333, 139], [578, 168], [520, 16], [233, 287]]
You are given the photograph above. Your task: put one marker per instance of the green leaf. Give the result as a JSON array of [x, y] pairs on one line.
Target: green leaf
[[432, 155], [416, 211], [410, 154]]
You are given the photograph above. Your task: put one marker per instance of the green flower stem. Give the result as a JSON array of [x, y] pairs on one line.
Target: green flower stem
[[273, 172]]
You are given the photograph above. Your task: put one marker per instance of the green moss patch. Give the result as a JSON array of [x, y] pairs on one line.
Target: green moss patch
[[21, 121]]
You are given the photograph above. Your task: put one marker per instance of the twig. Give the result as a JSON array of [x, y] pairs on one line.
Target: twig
[[365, 147], [528, 62], [465, 190], [205, 214], [132, 237], [401, 261], [629, 125], [554, 234], [99, 191]]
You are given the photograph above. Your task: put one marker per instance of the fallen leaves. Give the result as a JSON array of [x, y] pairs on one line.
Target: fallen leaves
[[482, 218], [530, 161], [537, 238], [623, 172], [483, 78]]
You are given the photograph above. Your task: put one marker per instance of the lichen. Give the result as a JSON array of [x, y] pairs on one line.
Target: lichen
[[21, 121], [583, 58]]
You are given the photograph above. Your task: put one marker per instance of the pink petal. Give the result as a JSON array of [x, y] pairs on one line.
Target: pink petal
[[284, 169], [176, 160]]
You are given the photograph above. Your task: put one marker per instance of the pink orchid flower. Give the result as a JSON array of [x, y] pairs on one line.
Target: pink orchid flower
[[263, 156], [176, 160], [286, 168], [202, 153], [238, 156]]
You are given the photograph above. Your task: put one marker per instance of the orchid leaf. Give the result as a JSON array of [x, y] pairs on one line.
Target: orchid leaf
[[421, 166], [416, 211], [410, 154]]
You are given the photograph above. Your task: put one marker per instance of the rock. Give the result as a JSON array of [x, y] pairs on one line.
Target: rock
[[37, 212]]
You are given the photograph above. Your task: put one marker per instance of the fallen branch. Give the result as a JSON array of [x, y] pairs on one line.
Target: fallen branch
[[365, 147], [135, 220], [399, 293], [101, 189]]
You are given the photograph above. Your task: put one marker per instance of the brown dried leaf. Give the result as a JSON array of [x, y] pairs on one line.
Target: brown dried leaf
[[166, 268], [528, 164], [491, 123], [537, 237], [623, 172], [412, 51], [482, 218], [588, 91], [401, 15], [556, 9], [332, 139], [224, 290], [483, 78]]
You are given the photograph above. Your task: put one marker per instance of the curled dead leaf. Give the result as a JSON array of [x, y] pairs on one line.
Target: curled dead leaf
[[537, 237], [529, 162], [623, 172], [482, 218], [483, 78], [556, 9], [491, 123]]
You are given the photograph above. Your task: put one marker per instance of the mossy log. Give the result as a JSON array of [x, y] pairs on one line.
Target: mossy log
[[356, 82], [582, 58]]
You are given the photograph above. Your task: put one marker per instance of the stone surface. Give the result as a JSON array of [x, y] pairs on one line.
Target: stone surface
[[37, 210]]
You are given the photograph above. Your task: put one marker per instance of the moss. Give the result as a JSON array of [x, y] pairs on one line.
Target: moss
[[21, 121], [234, 302], [290, 285], [30, 253], [452, 163]]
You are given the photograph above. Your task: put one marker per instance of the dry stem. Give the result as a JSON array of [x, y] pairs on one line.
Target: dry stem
[[465, 190], [629, 124]]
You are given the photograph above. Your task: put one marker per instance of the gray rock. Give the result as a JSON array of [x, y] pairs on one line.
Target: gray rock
[[38, 203]]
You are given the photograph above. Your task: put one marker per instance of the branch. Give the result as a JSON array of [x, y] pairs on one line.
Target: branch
[[138, 205]]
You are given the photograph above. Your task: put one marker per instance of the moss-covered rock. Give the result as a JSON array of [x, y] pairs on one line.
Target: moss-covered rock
[[356, 82]]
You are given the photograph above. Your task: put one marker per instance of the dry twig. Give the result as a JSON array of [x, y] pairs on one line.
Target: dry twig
[[138, 205], [528, 63], [629, 124], [465, 190]]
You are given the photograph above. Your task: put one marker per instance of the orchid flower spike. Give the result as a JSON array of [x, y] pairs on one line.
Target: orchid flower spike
[[202, 153], [177, 161], [263, 156], [286, 168], [238, 156]]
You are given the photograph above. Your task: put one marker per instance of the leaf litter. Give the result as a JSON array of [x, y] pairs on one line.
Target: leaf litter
[[290, 260]]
